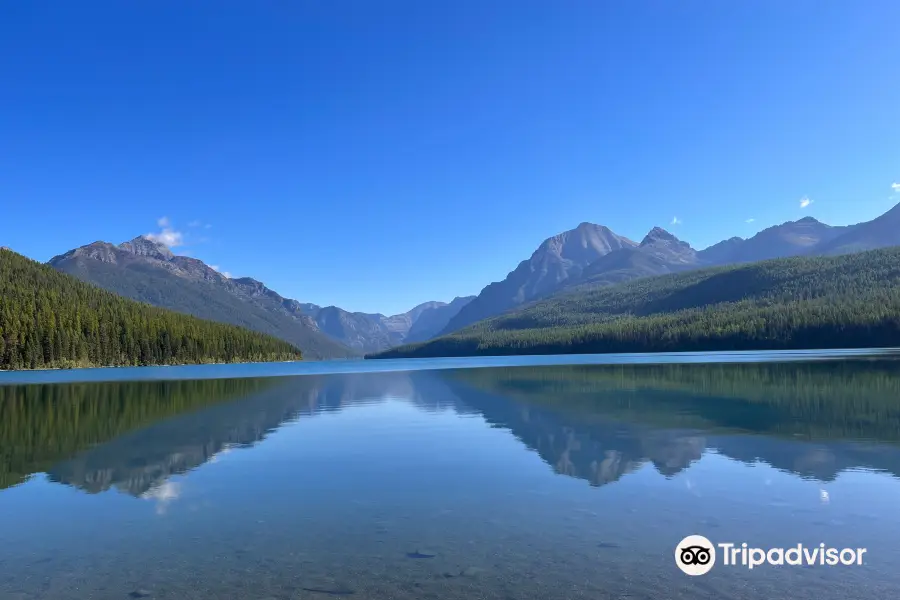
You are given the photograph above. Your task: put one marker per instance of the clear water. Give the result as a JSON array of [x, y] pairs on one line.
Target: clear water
[[542, 481]]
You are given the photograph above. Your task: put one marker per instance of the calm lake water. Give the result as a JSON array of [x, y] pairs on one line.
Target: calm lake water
[[545, 481]]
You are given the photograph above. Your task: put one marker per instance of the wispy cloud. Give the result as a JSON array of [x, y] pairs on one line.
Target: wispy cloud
[[750, 220], [675, 221], [167, 234], [197, 223], [805, 201], [895, 187], [218, 270]]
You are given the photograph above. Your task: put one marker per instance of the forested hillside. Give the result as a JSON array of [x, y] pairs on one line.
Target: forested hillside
[[49, 319], [146, 271], [823, 302]]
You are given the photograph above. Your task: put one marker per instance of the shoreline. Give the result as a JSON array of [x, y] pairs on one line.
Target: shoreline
[[347, 366]]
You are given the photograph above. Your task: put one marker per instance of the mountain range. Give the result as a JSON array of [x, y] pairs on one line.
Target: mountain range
[[592, 255], [146, 270], [585, 257]]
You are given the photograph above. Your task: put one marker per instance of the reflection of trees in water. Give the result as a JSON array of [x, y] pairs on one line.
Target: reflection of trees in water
[[599, 423], [593, 423], [135, 435]]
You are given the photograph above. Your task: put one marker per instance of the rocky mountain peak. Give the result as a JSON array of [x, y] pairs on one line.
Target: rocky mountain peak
[[143, 245], [249, 282], [658, 235], [584, 244]]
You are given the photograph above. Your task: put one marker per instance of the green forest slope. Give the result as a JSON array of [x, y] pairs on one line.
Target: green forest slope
[[849, 301], [49, 319]]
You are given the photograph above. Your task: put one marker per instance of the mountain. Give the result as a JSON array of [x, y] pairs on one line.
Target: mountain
[[659, 253], [559, 258], [367, 332], [592, 256], [794, 238], [50, 320], [877, 233], [432, 320], [145, 270], [847, 301]]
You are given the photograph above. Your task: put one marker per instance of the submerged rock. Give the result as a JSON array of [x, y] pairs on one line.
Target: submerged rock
[[329, 592], [608, 545]]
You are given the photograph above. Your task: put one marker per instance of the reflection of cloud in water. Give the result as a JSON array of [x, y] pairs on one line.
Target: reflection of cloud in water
[[215, 457], [163, 494]]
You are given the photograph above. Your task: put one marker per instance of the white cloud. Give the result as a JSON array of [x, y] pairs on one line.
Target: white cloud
[[227, 274], [676, 221], [168, 236], [805, 201], [895, 187], [750, 220], [164, 494]]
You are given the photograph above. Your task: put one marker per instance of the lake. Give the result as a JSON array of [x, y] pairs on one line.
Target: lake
[[524, 478]]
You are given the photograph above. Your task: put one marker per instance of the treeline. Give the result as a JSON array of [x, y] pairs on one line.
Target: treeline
[[850, 301], [847, 399], [41, 425], [52, 320]]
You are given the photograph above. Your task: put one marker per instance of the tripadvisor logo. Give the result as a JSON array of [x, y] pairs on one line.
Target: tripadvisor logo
[[696, 555]]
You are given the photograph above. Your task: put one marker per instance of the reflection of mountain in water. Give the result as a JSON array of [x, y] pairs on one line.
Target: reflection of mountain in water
[[599, 423], [593, 423], [599, 450], [143, 459]]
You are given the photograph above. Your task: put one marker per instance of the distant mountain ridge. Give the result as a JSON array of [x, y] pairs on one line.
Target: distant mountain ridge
[[368, 332], [593, 255], [146, 270]]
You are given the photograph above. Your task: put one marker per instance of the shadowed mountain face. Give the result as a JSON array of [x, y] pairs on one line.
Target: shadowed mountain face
[[594, 423], [146, 270], [558, 259], [877, 233], [794, 238], [434, 318]]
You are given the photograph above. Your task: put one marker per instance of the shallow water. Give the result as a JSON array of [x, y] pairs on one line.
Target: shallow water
[[551, 482]]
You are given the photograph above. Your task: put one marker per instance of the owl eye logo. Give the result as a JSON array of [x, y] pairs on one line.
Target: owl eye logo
[[695, 555]]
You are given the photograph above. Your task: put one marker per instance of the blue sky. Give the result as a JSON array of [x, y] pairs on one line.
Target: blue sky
[[375, 155]]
